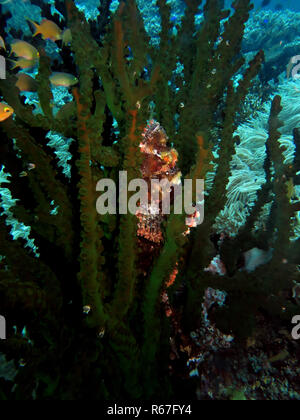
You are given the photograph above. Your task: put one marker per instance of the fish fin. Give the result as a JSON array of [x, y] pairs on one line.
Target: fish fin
[[2, 44], [36, 26], [16, 64]]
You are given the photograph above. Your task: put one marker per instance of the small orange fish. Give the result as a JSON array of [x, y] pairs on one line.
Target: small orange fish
[[23, 49], [63, 79], [23, 63], [5, 111], [47, 29], [26, 83]]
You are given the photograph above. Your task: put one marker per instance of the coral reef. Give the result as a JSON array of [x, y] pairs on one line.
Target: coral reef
[[248, 175], [121, 306], [277, 33]]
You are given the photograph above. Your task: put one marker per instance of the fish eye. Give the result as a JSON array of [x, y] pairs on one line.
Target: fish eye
[[6, 109]]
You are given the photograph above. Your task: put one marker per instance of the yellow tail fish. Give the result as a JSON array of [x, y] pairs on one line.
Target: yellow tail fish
[[47, 29]]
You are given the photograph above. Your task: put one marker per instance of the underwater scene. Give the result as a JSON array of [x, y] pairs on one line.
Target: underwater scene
[[149, 202]]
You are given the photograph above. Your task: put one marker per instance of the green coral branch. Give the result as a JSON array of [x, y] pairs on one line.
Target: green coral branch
[[44, 86], [151, 304], [89, 276], [280, 188], [135, 36], [124, 293], [119, 62]]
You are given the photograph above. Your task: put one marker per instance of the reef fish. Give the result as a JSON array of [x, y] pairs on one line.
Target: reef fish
[[66, 37], [26, 83], [5, 111], [24, 50], [63, 79], [47, 29]]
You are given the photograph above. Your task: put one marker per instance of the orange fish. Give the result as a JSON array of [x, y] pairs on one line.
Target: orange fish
[[26, 83], [47, 29], [5, 111], [24, 50]]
